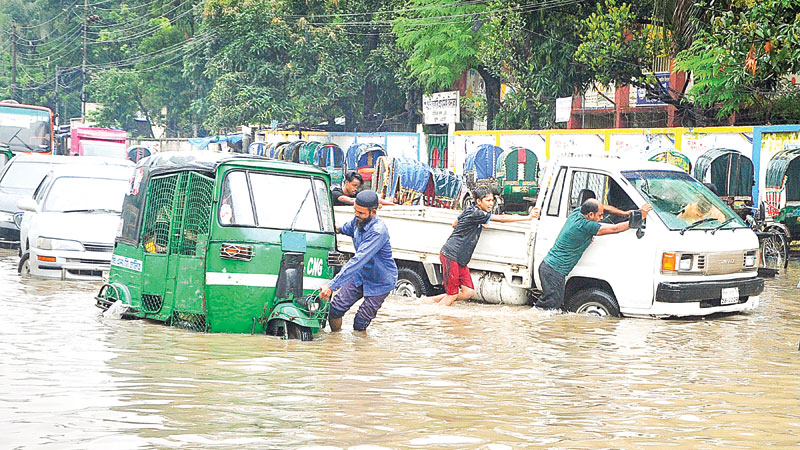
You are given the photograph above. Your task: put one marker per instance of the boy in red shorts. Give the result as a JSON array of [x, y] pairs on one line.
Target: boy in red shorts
[[457, 251]]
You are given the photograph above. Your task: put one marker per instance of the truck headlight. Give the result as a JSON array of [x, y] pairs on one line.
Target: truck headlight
[[6, 217], [59, 244], [751, 258], [685, 263]]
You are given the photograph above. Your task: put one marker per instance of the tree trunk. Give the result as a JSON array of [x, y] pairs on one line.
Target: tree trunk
[[492, 84]]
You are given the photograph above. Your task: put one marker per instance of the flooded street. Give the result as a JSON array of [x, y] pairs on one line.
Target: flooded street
[[473, 376]]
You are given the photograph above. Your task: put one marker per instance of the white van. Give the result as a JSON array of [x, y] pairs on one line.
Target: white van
[[693, 257]]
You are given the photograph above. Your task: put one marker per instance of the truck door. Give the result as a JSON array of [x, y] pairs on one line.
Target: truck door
[[551, 219]]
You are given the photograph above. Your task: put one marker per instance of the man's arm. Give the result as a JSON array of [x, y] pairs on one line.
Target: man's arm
[[505, 218], [622, 226], [345, 199], [367, 250], [616, 211]]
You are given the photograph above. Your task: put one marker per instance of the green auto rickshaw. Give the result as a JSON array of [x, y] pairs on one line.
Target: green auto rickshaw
[[221, 243]]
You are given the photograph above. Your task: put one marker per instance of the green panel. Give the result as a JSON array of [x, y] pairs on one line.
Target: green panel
[[126, 275]]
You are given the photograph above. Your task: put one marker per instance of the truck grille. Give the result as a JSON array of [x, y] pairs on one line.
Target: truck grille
[[723, 263], [701, 262]]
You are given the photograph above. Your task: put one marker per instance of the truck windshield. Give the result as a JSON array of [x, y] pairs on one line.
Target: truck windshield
[[278, 201], [681, 201], [79, 194], [101, 148]]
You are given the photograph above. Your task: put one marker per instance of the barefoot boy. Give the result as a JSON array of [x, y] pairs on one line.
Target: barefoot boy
[[457, 251]]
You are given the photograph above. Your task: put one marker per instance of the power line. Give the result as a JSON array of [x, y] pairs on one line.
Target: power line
[[63, 11]]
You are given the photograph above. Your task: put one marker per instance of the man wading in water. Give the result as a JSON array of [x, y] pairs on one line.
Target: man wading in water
[[371, 273], [457, 251], [576, 235]]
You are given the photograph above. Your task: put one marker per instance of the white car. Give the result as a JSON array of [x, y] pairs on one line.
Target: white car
[[71, 221]]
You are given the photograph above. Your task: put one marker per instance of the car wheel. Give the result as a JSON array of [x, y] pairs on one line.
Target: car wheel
[[593, 301], [24, 266], [410, 284]]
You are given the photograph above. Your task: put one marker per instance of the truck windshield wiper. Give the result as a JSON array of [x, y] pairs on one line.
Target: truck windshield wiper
[[297, 214], [722, 225], [696, 223]]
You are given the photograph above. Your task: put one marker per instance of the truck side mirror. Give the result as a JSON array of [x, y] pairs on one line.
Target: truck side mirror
[[636, 222]]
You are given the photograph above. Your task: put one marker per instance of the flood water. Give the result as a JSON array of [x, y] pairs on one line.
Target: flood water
[[472, 376]]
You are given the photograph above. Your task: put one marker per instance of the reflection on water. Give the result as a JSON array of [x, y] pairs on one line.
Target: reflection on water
[[472, 376]]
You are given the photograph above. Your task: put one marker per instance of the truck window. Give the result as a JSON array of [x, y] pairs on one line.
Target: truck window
[[555, 195], [587, 183]]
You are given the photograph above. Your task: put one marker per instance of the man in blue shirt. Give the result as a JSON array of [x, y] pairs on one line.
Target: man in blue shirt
[[371, 273]]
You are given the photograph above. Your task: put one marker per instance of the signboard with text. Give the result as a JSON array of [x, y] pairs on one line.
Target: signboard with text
[[442, 107], [563, 109], [639, 96]]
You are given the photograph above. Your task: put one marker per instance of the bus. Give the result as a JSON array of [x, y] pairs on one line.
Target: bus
[[26, 128]]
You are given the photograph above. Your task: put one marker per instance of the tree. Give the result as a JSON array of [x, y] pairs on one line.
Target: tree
[[443, 41], [741, 58]]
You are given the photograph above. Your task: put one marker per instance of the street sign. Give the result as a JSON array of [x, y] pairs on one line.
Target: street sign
[[563, 109], [442, 107]]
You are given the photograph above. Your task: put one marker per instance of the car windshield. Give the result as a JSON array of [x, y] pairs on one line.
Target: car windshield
[[81, 194], [107, 149], [278, 201], [24, 175], [681, 201]]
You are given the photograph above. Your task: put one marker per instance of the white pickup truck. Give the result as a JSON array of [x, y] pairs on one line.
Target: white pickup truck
[[693, 257]]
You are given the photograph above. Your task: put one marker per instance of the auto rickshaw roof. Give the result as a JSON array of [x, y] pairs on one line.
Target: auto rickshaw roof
[[779, 165], [208, 162]]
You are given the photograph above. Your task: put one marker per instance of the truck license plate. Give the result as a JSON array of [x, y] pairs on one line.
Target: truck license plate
[[730, 296]]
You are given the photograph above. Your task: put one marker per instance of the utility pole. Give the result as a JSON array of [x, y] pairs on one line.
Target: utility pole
[[14, 61], [83, 64], [58, 122]]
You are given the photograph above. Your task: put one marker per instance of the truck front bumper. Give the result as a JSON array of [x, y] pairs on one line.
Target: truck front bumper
[[708, 293]]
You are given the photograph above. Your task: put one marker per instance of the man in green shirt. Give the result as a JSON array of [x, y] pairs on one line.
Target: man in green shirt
[[581, 227]]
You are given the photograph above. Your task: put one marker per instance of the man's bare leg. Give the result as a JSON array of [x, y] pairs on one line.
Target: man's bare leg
[[434, 299], [336, 324], [465, 294]]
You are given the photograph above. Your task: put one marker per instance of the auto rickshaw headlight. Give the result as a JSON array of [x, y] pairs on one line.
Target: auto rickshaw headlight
[[311, 303]]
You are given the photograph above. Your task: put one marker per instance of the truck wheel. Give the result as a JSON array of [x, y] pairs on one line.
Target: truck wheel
[[593, 301], [24, 266], [410, 283]]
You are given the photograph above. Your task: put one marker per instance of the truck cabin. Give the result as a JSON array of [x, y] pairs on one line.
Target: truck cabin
[[106, 142]]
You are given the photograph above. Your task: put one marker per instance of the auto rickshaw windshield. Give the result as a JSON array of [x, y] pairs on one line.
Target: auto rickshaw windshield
[[278, 201], [680, 200]]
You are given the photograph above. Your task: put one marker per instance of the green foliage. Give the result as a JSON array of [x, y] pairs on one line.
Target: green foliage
[[742, 56]]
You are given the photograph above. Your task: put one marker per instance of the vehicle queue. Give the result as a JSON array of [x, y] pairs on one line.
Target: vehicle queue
[[204, 242]]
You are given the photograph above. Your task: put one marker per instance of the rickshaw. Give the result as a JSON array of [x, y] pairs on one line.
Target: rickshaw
[[449, 188], [206, 244], [362, 158], [330, 157], [670, 156], [517, 175], [307, 152], [276, 151], [258, 148], [782, 194], [405, 181], [732, 175], [291, 152], [480, 169]]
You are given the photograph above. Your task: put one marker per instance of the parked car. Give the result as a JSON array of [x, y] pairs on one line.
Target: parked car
[[70, 222], [19, 178]]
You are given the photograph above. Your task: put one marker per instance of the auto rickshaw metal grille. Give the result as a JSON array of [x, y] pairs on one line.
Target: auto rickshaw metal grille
[[197, 214], [189, 321], [156, 226], [152, 303], [178, 213]]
